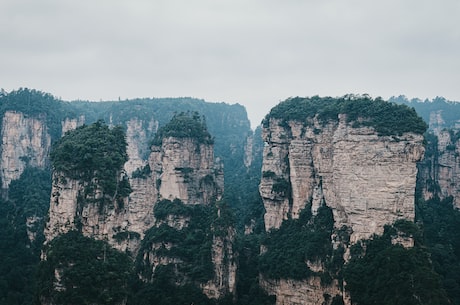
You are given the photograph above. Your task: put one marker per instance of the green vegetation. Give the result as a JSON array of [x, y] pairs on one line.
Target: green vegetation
[[449, 110], [379, 272], [296, 242], [17, 261], [248, 289], [441, 223], [40, 105], [164, 291], [185, 125], [142, 173], [191, 245], [19, 257], [166, 207], [125, 235], [90, 272], [385, 117], [94, 155], [282, 186], [189, 249], [382, 273]]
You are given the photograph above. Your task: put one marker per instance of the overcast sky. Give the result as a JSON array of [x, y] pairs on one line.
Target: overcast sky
[[252, 52]]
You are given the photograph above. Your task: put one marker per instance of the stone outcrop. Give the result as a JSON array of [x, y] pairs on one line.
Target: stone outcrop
[[71, 124], [25, 142], [367, 180], [137, 137], [123, 226], [440, 171], [224, 261], [179, 169], [186, 170], [310, 291], [248, 151]]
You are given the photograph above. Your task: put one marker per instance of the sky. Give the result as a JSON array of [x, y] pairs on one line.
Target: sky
[[252, 52]]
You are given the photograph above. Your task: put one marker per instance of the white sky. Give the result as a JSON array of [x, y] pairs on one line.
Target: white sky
[[252, 52]]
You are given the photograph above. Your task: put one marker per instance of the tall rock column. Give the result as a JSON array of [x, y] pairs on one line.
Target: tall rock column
[[190, 184], [335, 171], [368, 180], [92, 194], [25, 142], [440, 170]]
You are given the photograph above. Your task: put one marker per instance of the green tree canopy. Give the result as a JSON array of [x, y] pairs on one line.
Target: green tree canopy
[[385, 117], [384, 273], [185, 125], [90, 272], [93, 152]]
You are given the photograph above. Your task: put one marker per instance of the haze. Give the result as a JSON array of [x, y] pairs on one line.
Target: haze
[[252, 52]]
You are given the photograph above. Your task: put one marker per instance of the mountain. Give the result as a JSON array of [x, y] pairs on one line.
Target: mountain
[[106, 180], [348, 200]]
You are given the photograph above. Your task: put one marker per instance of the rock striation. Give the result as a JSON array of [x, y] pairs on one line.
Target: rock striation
[[185, 170], [440, 170], [181, 168], [25, 142], [310, 291], [368, 180], [225, 267], [137, 137]]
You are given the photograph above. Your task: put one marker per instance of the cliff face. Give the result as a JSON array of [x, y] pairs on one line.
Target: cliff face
[[309, 291], [367, 180], [137, 137], [440, 171], [122, 226], [25, 142], [225, 268], [186, 171], [71, 124], [178, 169]]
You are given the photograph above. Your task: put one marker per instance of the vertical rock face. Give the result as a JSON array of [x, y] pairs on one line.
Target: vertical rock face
[[122, 226], [367, 180], [25, 141], [440, 171], [137, 132], [223, 259], [436, 123], [186, 171], [309, 291], [248, 151], [448, 167], [181, 169], [71, 124]]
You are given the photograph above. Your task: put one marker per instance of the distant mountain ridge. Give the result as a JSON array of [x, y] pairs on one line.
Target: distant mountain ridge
[[348, 200]]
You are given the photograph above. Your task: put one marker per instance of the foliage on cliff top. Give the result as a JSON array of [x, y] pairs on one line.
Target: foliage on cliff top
[[92, 152], [448, 110], [185, 125], [385, 117], [37, 104], [90, 272]]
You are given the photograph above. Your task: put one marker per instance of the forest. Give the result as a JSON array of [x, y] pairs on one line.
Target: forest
[[92, 272]]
